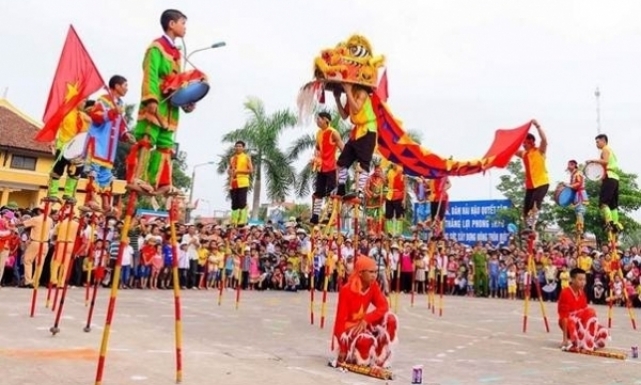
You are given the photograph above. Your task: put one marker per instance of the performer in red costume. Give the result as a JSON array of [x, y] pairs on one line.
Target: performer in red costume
[[578, 322], [364, 337]]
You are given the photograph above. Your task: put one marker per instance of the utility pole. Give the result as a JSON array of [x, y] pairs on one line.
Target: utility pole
[[597, 95]]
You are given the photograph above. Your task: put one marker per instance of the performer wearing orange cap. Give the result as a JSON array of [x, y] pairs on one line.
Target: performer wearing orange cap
[[577, 320], [364, 338]]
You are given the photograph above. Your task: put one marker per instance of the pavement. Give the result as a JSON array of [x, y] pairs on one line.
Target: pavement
[[269, 340]]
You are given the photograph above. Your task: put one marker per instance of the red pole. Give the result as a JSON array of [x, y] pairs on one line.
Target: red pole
[[131, 206], [173, 218], [98, 276]]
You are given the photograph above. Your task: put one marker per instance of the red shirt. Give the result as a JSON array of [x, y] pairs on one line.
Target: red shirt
[[352, 307], [570, 301]]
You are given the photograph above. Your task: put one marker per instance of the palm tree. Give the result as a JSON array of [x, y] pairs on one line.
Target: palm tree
[[261, 133]]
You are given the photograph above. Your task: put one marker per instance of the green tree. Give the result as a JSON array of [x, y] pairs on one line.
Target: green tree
[[180, 178], [512, 186], [261, 132], [299, 210], [629, 201]]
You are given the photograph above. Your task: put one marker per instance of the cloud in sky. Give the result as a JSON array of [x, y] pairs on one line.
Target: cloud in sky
[[458, 70]]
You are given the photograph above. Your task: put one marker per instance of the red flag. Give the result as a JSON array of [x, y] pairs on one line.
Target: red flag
[[381, 90], [76, 78]]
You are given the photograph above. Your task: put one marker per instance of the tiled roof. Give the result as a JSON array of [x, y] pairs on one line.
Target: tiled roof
[[17, 130]]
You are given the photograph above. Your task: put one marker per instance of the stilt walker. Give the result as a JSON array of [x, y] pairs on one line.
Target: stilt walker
[[108, 128], [240, 170], [607, 170], [394, 210], [165, 90], [328, 143], [75, 80], [40, 228]]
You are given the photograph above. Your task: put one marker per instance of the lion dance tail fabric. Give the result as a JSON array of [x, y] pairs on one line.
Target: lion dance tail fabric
[[585, 331], [372, 347]]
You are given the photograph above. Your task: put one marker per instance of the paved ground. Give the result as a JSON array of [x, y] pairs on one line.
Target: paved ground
[[269, 340]]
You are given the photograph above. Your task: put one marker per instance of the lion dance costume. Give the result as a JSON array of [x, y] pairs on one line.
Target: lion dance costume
[[351, 62], [371, 347]]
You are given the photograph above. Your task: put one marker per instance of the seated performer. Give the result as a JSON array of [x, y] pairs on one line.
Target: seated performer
[[328, 142], [362, 141], [107, 128], [364, 337], [577, 184], [578, 321], [76, 122]]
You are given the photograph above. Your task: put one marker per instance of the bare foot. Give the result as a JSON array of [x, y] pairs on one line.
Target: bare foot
[[141, 187]]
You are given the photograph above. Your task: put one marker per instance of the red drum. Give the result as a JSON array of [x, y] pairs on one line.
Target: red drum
[[186, 88]]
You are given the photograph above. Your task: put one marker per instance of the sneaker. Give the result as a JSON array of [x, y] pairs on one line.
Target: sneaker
[[340, 190], [314, 220]]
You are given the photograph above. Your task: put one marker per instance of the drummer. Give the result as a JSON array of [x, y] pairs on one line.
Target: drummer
[[74, 123], [609, 193], [537, 180], [577, 184]]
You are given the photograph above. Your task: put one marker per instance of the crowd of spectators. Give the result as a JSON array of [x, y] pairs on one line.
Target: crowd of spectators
[[277, 257]]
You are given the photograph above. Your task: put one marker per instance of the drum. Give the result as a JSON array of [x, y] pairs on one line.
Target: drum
[[185, 88], [564, 196], [594, 171], [74, 150]]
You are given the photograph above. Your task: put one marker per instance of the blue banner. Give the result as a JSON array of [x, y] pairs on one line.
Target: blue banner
[[472, 221]]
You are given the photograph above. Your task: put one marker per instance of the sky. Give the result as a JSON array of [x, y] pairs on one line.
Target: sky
[[457, 70]]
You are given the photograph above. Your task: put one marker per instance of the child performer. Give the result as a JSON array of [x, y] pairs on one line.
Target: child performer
[[149, 162]]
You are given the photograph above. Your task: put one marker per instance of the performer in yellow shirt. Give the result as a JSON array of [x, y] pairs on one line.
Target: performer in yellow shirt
[[395, 200], [240, 170], [537, 180], [76, 122]]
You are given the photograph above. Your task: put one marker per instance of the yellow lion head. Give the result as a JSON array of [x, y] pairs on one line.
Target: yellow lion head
[[351, 61]]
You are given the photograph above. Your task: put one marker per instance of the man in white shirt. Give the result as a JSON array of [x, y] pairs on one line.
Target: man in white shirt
[[192, 241]]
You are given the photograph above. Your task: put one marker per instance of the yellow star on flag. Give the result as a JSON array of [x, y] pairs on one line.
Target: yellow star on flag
[[72, 91]]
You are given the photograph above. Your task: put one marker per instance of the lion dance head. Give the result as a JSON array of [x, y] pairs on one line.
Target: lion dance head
[[352, 61]]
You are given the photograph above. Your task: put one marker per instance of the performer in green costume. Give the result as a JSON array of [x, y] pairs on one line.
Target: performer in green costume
[[149, 164], [479, 261]]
